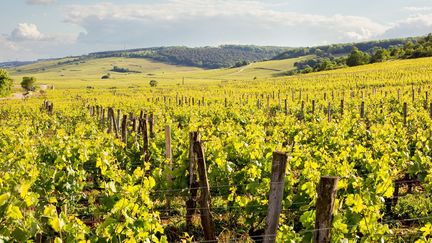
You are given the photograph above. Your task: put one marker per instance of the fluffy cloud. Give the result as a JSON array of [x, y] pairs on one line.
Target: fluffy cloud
[[206, 22], [417, 25], [418, 9], [27, 32], [40, 2]]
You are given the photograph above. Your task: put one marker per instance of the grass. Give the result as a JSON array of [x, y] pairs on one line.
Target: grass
[[89, 72], [80, 74]]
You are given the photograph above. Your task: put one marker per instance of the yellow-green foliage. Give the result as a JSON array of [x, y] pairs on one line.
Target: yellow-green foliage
[[61, 172]]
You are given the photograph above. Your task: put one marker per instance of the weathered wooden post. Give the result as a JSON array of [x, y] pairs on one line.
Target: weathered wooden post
[[118, 119], [143, 125], [168, 157], [342, 107], [205, 200], [362, 111], [324, 208], [268, 102], [192, 182], [275, 196], [405, 112], [151, 125], [430, 110], [286, 107], [124, 129], [313, 106]]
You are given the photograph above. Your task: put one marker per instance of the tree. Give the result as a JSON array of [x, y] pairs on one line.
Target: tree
[[357, 57], [5, 83], [27, 83], [380, 55], [153, 83], [106, 76]]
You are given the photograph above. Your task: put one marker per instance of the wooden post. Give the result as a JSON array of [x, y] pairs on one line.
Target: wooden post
[[324, 208], [110, 123], [168, 157], [151, 125], [430, 110], [302, 110], [398, 94], [118, 119], [202, 101], [268, 102], [143, 125], [329, 112], [259, 104], [313, 106], [342, 107], [413, 94], [405, 112], [50, 108], [362, 110], [124, 129], [275, 196], [286, 107], [205, 201], [192, 182], [102, 116]]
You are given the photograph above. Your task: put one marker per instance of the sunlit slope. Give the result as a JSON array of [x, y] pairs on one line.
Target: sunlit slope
[[66, 73], [78, 73], [88, 73], [257, 70], [390, 73]]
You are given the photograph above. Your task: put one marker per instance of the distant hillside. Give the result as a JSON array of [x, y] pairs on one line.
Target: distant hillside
[[205, 57], [14, 64], [342, 49]]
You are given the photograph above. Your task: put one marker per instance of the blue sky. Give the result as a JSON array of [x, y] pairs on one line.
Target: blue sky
[[33, 29]]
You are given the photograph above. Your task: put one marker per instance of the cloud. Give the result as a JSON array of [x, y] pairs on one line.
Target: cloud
[[40, 2], [27, 32], [205, 22], [417, 9], [417, 25]]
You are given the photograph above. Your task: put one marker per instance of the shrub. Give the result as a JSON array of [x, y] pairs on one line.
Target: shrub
[[27, 83], [5, 83], [153, 83], [106, 76]]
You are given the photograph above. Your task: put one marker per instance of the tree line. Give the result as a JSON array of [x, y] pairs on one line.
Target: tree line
[[411, 48]]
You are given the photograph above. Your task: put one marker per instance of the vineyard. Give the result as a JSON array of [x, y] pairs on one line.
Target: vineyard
[[227, 161]]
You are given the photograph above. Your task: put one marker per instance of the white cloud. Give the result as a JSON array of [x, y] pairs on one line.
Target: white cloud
[[40, 2], [417, 9], [208, 22], [27, 32], [416, 25]]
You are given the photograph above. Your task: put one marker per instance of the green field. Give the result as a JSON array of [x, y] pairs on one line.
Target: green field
[[89, 72]]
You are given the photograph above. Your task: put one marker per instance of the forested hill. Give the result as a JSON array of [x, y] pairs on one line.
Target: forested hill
[[343, 49], [206, 57]]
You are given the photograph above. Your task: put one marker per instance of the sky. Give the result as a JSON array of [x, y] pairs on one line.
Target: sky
[[37, 29]]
